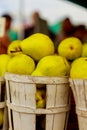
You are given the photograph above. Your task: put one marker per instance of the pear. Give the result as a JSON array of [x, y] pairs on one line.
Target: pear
[[14, 48], [36, 72], [40, 98], [53, 65], [1, 117], [38, 95], [4, 59], [70, 48], [37, 46], [40, 103], [21, 64], [84, 50], [79, 68]]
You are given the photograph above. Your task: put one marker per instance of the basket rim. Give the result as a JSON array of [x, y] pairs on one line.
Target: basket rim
[[36, 79], [2, 78], [78, 79]]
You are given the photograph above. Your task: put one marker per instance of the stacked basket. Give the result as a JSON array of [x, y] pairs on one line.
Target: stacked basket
[[21, 102], [79, 88], [3, 107]]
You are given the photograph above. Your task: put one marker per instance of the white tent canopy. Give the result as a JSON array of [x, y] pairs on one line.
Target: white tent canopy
[[52, 10]]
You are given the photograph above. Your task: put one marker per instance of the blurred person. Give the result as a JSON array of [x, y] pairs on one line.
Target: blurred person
[[11, 33], [67, 30], [4, 42], [41, 26], [81, 32], [85, 36], [38, 25]]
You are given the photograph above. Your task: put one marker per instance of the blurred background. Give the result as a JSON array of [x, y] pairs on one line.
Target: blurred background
[[62, 18], [58, 19], [53, 11]]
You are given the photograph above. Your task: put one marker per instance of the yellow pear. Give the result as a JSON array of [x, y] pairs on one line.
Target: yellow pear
[[40, 98], [1, 117], [79, 68], [40, 103], [36, 72], [40, 93], [53, 65], [37, 46], [14, 48], [84, 50], [4, 59], [21, 64], [71, 48]]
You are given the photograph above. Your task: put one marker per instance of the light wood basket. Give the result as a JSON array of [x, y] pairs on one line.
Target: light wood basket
[[79, 88], [3, 103], [21, 102]]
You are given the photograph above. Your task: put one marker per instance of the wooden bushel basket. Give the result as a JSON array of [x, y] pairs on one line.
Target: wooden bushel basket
[[79, 88], [3, 104], [21, 102]]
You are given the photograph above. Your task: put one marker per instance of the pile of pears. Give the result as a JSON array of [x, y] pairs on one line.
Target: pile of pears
[[76, 53], [36, 56]]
